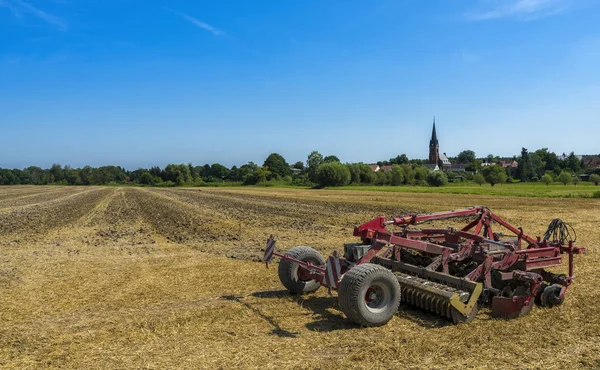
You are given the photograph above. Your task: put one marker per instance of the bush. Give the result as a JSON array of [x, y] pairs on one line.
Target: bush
[[380, 178], [396, 175], [146, 178], [333, 174], [259, 175], [596, 194], [595, 179], [437, 178], [494, 174], [166, 184], [479, 179], [421, 174], [565, 177], [547, 179]]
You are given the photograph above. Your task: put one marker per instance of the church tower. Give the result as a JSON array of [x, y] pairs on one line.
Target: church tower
[[434, 147]]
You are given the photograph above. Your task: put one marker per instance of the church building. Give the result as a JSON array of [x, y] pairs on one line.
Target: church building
[[436, 161]]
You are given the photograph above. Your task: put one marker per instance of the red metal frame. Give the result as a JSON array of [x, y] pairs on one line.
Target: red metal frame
[[476, 241]]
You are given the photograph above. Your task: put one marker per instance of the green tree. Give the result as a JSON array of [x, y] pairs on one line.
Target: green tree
[[396, 175], [155, 171], [401, 159], [330, 159], [178, 174], [247, 169], [537, 165], [277, 165], [259, 175], [523, 171], [298, 165], [193, 171], [494, 174], [565, 177], [547, 179], [572, 163], [466, 156], [333, 174], [576, 180], [437, 178], [367, 176], [475, 166], [218, 171], [234, 174], [106, 174], [314, 160], [146, 178], [206, 173], [37, 175], [57, 172], [7, 177], [549, 158], [354, 169], [380, 178], [85, 175], [421, 173], [409, 174], [595, 179]]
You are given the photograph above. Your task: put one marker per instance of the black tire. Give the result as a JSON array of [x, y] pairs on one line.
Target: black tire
[[551, 296], [385, 290], [288, 270]]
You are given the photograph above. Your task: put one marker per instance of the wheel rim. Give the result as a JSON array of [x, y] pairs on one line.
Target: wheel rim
[[377, 297], [304, 274]]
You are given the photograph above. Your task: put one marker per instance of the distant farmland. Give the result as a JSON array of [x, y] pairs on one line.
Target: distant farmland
[[112, 277]]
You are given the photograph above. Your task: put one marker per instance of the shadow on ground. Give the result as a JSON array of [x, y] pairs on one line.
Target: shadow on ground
[[277, 330], [327, 319]]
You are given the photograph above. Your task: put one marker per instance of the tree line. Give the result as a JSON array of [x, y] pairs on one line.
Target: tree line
[[319, 170]]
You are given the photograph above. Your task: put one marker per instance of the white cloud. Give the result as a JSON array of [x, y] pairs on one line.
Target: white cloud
[[525, 10], [19, 7], [199, 23], [8, 5]]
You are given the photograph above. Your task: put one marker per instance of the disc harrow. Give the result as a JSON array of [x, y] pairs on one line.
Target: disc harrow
[[450, 272]]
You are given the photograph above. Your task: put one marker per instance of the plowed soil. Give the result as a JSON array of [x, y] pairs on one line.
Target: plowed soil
[[105, 277]]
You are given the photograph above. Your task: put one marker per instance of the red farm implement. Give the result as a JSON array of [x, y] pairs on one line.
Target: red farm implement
[[451, 272]]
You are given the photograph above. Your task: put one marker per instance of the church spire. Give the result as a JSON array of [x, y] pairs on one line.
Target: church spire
[[434, 140]]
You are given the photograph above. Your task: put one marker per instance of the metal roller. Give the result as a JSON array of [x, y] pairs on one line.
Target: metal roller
[[437, 298]]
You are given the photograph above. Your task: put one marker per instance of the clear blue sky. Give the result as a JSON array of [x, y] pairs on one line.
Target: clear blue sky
[[141, 83]]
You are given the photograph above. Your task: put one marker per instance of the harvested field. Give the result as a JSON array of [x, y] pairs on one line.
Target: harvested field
[[103, 277]]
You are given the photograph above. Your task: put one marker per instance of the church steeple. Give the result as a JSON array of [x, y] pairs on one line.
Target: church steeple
[[434, 140], [434, 147]]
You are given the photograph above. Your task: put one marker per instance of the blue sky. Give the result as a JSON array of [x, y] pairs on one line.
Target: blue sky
[[141, 83]]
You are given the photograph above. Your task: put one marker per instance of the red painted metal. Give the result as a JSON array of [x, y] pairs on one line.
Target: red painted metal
[[476, 252]]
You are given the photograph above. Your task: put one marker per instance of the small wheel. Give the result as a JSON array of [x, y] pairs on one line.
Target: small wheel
[[369, 295], [296, 278], [538, 296], [551, 296]]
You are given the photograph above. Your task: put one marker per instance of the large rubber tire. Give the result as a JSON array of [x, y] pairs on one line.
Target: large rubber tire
[[369, 295], [288, 270]]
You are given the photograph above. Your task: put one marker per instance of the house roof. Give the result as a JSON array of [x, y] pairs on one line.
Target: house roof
[[591, 162], [512, 164]]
